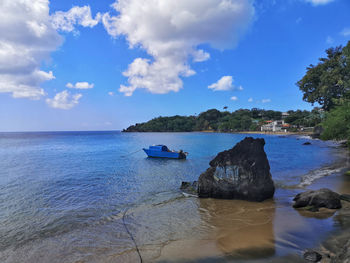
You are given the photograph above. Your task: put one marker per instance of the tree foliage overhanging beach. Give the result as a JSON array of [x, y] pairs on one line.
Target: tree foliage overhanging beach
[[328, 84]]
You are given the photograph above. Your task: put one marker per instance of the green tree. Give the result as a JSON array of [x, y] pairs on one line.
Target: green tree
[[337, 123], [328, 82]]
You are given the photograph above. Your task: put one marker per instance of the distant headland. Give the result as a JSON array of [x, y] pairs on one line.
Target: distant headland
[[242, 120]]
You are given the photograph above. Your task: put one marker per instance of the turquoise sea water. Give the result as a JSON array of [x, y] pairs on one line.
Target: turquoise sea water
[[63, 196]]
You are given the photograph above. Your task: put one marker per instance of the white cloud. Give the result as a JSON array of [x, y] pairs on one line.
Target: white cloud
[[26, 39], [319, 2], [111, 93], [345, 32], [170, 32], [234, 98], [225, 83], [266, 100], [66, 21], [250, 100], [80, 85], [64, 100]]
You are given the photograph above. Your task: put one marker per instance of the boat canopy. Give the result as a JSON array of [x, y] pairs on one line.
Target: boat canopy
[[160, 147]]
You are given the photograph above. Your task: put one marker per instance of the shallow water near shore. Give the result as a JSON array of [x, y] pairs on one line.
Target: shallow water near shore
[[64, 197]]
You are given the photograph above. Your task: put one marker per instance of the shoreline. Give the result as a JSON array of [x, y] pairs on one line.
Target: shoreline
[[232, 132], [260, 132], [329, 246], [276, 133], [333, 246]]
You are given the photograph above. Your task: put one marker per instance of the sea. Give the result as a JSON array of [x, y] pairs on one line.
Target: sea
[[96, 197]]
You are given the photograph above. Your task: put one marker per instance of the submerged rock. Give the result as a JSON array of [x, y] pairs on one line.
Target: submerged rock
[[312, 256], [320, 198], [307, 143], [188, 187], [242, 172]]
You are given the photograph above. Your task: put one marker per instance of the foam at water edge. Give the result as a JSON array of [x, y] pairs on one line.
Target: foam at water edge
[[310, 177]]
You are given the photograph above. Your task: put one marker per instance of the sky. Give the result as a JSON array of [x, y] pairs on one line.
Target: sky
[[107, 64]]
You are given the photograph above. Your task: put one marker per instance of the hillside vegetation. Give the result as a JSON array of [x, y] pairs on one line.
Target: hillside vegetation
[[215, 120]]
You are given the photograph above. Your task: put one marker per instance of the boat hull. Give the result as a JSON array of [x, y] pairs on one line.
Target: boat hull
[[162, 154]]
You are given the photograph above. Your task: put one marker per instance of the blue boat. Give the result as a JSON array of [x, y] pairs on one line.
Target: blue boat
[[162, 151]]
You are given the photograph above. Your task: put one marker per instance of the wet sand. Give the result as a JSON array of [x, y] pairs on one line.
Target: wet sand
[[236, 228]]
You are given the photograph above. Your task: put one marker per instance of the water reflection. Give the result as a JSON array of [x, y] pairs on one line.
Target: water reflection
[[323, 213], [240, 229]]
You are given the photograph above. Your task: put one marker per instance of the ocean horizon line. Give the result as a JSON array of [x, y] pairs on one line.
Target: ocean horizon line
[[57, 131]]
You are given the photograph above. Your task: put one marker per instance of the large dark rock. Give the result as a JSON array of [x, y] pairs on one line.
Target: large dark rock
[[242, 172], [320, 198]]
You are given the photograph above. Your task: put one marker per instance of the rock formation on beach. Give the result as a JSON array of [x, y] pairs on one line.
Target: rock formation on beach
[[316, 199], [242, 172]]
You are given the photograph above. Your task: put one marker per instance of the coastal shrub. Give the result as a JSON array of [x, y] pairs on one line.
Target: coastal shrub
[[337, 123]]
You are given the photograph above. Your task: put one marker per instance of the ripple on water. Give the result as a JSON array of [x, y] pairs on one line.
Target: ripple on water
[[63, 197]]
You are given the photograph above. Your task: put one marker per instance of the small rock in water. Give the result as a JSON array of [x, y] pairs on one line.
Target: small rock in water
[[312, 256], [189, 187], [320, 198], [347, 173], [307, 143]]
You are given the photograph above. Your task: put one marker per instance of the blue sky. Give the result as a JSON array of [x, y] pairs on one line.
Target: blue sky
[[87, 65]]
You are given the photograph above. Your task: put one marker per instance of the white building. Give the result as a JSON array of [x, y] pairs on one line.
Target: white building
[[273, 126]]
